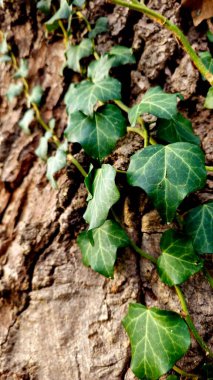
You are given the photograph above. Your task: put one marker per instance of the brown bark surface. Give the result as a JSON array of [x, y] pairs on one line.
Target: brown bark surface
[[59, 319]]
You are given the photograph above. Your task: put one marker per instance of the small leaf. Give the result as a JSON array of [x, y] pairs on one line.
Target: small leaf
[[5, 58], [99, 133], [168, 174], [158, 339], [14, 90], [104, 194], [42, 149], [207, 60], [101, 255], [198, 224], [26, 121], [85, 95], [99, 70], [101, 26], [36, 95], [209, 99], [79, 3], [177, 129], [178, 260], [157, 103], [56, 163], [209, 36], [64, 12], [44, 6], [23, 70], [121, 55], [76, 53]]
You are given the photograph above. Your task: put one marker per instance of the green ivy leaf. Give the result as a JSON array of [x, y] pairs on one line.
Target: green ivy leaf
[[56, 163], [101, 255], [44, 6], [15, 89], [101, 26], [207, 60], [84, 96], [42, 149], [210, 36], [209, 99], [63, 13], [178, 260], [158, 339], [168, 174], [76, 53], [36, 95], [177, 129], [104, 194], [198, 224], [26, 121], [99, 70], [157, 103], [5, 58], [23, 70], [79, 3], [121, 55], [99, 133]]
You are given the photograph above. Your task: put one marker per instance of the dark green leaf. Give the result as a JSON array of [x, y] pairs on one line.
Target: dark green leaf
[[85, 95], [104, 194], [157, 103], [158, 339], [36, 95], [209, 99], [76, 53], [26, 121], [168, 174], [99, 70], [101, 255], [198, 225], [23, 70], [63, 13], [14, 90], [207, 60], [210, 36], [121, 55], [44, 6], [56, 163], [101, 26], [178, 260], [177, 129], [99, 133]]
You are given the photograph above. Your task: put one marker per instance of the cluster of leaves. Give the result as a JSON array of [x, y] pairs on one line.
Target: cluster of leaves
[[167, 172]]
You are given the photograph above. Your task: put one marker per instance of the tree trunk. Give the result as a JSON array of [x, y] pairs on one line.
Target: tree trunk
[[59, 319]]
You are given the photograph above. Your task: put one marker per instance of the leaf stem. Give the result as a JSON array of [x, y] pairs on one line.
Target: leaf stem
[[77, 164], [163, 21], [190, 322], [185, 374], [121, 105], [140, 132], [143, 253], [209, 168], [65, 34]]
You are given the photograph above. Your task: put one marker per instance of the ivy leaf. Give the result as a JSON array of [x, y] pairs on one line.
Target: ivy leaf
[[44, 6], [101, 26], [56, 163], [99, 70], [36, 95], [104, 194], [5, 58], [99, 133], [178, 260], [79, 3], [209, 99], [168, 174], [207, 60], [101, 255], [23, 70], [198, 224], [177, 129], [26, 121], [76, 53], [42, 149], [15, 89], [157, 103], [84, 96], [158, 339], [3, 44], [209, 36], [64, 12], [121, 55]]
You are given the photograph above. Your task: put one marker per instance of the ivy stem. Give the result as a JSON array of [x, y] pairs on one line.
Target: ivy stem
[[77, 164], [208, 277], [183, 373], [163, 21], [143, 253], [209, 168], [140, 132], [65, 34], [121, 105], [190, 322]]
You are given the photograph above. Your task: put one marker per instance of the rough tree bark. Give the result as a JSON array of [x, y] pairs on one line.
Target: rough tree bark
[[60, 320]]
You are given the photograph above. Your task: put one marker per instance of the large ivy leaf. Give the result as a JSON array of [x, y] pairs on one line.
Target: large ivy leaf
[[36, 95], [158, 339], [76, 53], [101, 255], [198, 224], [178, 260], [101, 26], [63, 13], [207, 60], [104, 194], [27, 119], [209, 99], [56, 163], [168, 174], [84, 96], [121, 55], [99, 133], [177, 129], [23, 70], [157, 103], [15, 89]]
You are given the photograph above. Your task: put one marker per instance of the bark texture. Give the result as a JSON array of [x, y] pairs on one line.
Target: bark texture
[[60, 320]]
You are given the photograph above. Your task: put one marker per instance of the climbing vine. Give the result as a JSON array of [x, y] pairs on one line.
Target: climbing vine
[[167, 171]]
